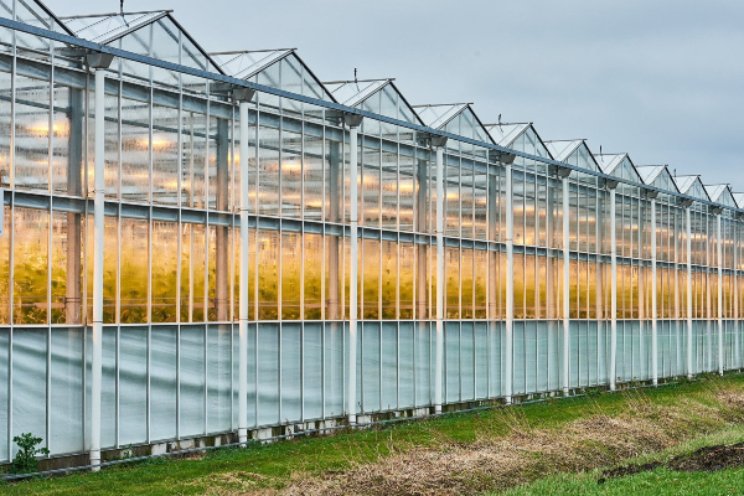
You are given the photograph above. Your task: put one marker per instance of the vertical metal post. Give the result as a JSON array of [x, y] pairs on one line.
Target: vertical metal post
[[688, 232], [737, 344], [509, 327], [613, 290], [244, 264], [566, 285], [719, 259], [98, 236], [422, 196], [708, 300], [654, 309], [73, 299], [222, 278], [351, 396], [439, 337]]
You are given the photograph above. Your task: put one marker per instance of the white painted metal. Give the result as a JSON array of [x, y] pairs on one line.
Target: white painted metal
[[509, 330], [688, 228], [566, 286], [244, 264], [737, 344], [613, 291], [351, 381], [719, 259], [654, 303], [439, 337], [98, 237]]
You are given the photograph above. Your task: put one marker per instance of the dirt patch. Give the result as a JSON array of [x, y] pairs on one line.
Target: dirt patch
[[707, 459], [710, 459]]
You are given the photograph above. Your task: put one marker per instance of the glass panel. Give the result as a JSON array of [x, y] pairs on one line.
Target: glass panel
[[31, 239]]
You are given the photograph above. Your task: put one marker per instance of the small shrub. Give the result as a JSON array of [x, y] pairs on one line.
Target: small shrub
[[25, 460]]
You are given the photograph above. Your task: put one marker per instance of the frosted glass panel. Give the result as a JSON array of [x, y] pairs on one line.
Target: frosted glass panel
[[219, 378], [163, 382], [133, 385], [334, 368], [370, 356], [66, 391], [407, 364], [192, 381], [29, 382], [389, 366], [267, 375], [313, 371], [291, 372]]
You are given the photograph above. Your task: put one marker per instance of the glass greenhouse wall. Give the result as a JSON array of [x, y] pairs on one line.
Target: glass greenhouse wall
[[200, 244]]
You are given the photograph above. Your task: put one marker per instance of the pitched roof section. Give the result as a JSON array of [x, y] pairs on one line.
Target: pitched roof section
[[35, 13], [519, 136], [691, 186], [380, 96], [658, 176], [739, 198], [720, 193], [152, 33], [352, 93], [618, 165], [278, 68], [573, 152], [455, 118]]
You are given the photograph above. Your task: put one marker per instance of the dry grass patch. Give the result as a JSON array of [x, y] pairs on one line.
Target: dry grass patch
[[525, 454]]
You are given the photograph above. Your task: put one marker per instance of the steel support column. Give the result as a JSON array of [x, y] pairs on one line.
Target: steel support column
[[737, 344], [439, 337], [509, 325], [351, 381], [98, 246], [613, 290], [688, 236], [244, 264], [719, 259], [566, 285], [654, 302]]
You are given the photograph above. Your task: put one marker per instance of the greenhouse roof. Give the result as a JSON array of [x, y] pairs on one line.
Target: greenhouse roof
[[456, 118], [34, 12], [720, 193], [352, 93], [376, 95], [691, 185], [561, 149], [244, 64], [152, 33], [658, 176], [105, 28], [618, 165], [506, 133], [156, 35], [739, 197], [520, 136], [279, 68], [574, 152]]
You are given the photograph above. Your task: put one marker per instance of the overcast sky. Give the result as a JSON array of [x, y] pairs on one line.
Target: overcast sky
[[662, 80]]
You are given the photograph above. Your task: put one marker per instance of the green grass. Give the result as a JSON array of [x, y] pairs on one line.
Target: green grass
[[659, 482], [273, 465]]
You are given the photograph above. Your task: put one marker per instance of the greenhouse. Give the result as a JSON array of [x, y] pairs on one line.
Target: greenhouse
[[209, 247]]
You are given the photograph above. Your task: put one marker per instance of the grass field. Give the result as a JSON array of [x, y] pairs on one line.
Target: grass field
[[553, 447]]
